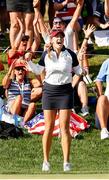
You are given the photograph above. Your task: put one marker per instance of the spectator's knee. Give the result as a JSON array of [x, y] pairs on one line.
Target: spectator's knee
[[102, 99], [32, 106]]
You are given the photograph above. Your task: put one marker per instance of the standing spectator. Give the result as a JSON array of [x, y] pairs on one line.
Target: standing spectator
[[24, 11], [57, 95], [100, 18], [43, 4], [88, 9], [4, 18], [58, 23], [65, 10]]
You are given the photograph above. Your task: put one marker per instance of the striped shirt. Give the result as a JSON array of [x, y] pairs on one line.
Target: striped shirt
[[99, 12], [67, 12], [16, 89]]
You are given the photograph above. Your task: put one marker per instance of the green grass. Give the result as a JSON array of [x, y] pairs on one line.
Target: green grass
[[89, 155]]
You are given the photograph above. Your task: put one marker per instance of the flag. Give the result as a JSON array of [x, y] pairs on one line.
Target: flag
[[37, 125]]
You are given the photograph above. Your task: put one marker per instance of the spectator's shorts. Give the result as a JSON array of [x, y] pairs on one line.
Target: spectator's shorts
[[25, 6], [2, 4]]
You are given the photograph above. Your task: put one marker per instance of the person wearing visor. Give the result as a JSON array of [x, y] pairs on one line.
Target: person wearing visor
[[57, 95], [18, 91]]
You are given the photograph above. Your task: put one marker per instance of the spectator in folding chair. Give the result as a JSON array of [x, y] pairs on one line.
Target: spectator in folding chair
[[102, 108]]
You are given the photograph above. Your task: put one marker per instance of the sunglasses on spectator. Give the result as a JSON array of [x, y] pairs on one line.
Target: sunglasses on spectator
[[25, 38], [57, 22], [19, 69]]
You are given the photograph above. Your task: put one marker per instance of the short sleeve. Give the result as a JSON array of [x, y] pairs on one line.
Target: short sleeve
[[74, 58], [103, 71], [42, 59]]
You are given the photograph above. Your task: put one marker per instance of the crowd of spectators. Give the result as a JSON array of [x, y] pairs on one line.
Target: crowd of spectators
[[69, 23]]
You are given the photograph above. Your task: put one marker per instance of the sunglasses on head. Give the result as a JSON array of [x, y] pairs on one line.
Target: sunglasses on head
[[24, 39], [19, 68]]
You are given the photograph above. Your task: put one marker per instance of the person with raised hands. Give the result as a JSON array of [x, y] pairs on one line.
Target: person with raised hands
[[19, 46], [24, 11], [58, 23], [18, 89], [57, 94]]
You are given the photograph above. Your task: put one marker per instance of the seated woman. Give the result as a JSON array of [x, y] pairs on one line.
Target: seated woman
[[102, 108], [19, 90], [80, 95]]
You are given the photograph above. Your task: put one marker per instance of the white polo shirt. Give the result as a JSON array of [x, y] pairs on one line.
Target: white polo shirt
[[58, 69]]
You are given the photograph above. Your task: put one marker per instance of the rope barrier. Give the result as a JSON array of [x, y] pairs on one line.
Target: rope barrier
[[4, 50]]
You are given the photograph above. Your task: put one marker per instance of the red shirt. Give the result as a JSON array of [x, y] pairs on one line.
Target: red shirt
[[17, 55]]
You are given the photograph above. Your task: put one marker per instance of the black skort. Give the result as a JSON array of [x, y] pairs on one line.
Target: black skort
[[25, 6], [57, 96]]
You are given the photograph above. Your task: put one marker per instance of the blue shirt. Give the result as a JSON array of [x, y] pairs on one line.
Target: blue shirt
[[103, 74]]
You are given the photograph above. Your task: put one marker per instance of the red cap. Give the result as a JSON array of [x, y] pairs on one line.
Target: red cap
[[55, 32], [19, 63]]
